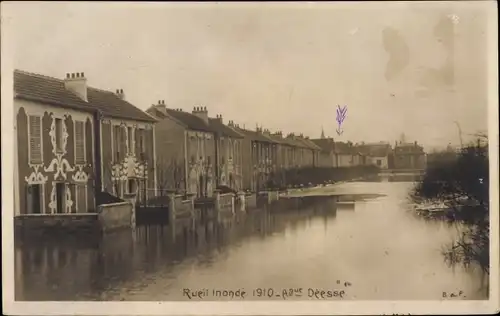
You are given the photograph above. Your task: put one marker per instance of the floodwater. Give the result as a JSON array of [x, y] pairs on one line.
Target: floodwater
[[364, 247]]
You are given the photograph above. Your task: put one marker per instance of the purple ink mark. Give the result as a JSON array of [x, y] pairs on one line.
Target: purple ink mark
[[341, 115]]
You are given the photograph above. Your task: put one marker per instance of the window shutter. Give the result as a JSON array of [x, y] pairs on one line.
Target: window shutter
[[81, 196], [116, 142], [35, 139], [79, 142], [137, 143], [123, 142]]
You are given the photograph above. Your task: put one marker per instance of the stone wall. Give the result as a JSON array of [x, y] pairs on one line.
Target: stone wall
[[41, 224], [183, 207], [115, 216], [250, 201]]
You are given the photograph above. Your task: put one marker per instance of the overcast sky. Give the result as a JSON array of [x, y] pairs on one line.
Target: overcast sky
[[400, 68]]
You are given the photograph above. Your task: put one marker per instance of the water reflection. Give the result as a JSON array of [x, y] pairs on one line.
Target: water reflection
[[366, 239]]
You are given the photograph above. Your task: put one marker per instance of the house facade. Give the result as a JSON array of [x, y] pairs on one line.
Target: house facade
[[377, 154], [312, 151], [327, 156], [229, 170], [126, 146], [186, 150], [257, 152], [54, 136], [344, 154], [59, 143], [282, 157]]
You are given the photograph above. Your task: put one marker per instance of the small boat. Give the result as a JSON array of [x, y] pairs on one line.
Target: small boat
[[431, 209]]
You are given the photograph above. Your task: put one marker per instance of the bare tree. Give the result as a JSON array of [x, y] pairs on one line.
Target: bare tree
[[463, 183], [169, 175]]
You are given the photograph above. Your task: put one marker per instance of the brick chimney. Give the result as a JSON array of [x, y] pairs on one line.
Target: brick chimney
[[120, 94], [161, 106], [77, 83], [201, 112], [219, 118], [278, 134]]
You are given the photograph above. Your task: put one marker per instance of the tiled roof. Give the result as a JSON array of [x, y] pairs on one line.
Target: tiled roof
[[50, 90], [375, 150], [294, 141], [309, 143], [326, 144], [223, 129], [187, 119], [255, 136], [190, 120], [343, 148], [278, 139]]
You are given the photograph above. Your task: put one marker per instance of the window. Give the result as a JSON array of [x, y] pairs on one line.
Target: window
[[117, 188], [379, 162], [59, 136], [140, 148], [119, 142], [123, 142], [35, 138], [81, 198], [60, 197], [34, 199], [131, 186], [141, 192], [79, 142]]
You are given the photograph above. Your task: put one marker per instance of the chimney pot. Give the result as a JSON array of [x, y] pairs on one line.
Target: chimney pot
[[78, 87]]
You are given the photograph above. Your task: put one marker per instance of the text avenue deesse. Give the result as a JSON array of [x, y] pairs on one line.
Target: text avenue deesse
[[262, 293]]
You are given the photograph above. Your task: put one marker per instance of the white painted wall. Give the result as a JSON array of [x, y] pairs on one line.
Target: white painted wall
[[384, 161]]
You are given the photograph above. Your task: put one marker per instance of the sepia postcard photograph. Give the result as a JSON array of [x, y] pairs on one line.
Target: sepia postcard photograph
[[250, 158]]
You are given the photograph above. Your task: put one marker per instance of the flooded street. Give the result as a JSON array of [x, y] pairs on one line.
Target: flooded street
[[371, 248]]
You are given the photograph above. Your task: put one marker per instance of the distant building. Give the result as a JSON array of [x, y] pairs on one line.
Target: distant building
[[409, 156], [345, 154], [327, 156], [258, 156], [377, 154]]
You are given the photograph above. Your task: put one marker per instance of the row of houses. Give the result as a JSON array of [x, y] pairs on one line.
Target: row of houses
[[78, 147]]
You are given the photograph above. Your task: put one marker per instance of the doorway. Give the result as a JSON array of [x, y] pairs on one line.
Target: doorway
[[34, 199], [60, 194]]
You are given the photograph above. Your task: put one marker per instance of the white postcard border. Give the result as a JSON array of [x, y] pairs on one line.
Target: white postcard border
[[12, 307]]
